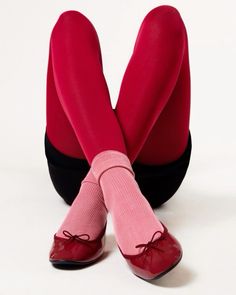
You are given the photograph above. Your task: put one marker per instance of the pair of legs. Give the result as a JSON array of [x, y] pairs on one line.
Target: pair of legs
[[151, 120], [150, 123]]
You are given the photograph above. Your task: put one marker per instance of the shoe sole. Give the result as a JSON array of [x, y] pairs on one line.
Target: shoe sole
[[163, 273], [73, 263]]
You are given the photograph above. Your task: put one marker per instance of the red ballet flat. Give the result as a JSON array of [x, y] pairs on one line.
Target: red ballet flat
[[76, 249], [158, 257]]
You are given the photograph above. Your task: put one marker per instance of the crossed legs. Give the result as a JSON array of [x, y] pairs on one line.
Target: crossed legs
[[150, 123]]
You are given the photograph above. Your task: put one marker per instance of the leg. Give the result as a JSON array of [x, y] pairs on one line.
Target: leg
[[156, 87], [79, 35], [156, 81]]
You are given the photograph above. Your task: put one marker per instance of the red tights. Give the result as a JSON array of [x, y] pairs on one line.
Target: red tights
[[151, 120]]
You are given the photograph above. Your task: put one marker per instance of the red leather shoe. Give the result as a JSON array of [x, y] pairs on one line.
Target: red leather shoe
[[76, 249], [158, 257]]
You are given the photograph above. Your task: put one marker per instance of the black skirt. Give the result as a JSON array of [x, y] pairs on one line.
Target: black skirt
[[158, 183]]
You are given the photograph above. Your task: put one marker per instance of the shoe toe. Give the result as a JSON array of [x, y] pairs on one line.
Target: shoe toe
[[156, 260], [78, 251], [63, 249]]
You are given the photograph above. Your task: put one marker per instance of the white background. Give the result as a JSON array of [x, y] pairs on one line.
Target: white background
[[201, 214]]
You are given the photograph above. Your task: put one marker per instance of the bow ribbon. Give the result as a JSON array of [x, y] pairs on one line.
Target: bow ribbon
[[76, 237], [152, 243]]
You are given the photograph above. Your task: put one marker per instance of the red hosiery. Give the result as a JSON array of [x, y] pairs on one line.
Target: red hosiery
[[164, 141], [58, 127], [81, 85], [159, 51], [154, 99]]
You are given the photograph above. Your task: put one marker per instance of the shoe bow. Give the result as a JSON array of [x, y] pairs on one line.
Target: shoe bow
[[76, 237], [152, 243]]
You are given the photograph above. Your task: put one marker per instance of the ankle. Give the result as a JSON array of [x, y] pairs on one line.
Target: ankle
[[108, 159]]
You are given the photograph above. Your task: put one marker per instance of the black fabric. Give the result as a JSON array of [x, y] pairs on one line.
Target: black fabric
[[158, 183]]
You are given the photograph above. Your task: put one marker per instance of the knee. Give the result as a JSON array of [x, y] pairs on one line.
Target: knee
[[73, 18], [70, 15], [166, 19], [164, 9]]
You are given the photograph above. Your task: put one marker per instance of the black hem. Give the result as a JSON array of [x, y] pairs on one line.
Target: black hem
[[158, 183]]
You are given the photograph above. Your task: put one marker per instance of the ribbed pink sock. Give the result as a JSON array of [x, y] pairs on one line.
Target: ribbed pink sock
[[133, 218], [88, 212]]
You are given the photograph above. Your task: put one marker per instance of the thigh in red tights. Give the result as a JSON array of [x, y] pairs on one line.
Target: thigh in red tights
[[151, 120]]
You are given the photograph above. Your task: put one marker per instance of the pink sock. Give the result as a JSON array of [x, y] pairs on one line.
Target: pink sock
[[133, 219], [88, 212]]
